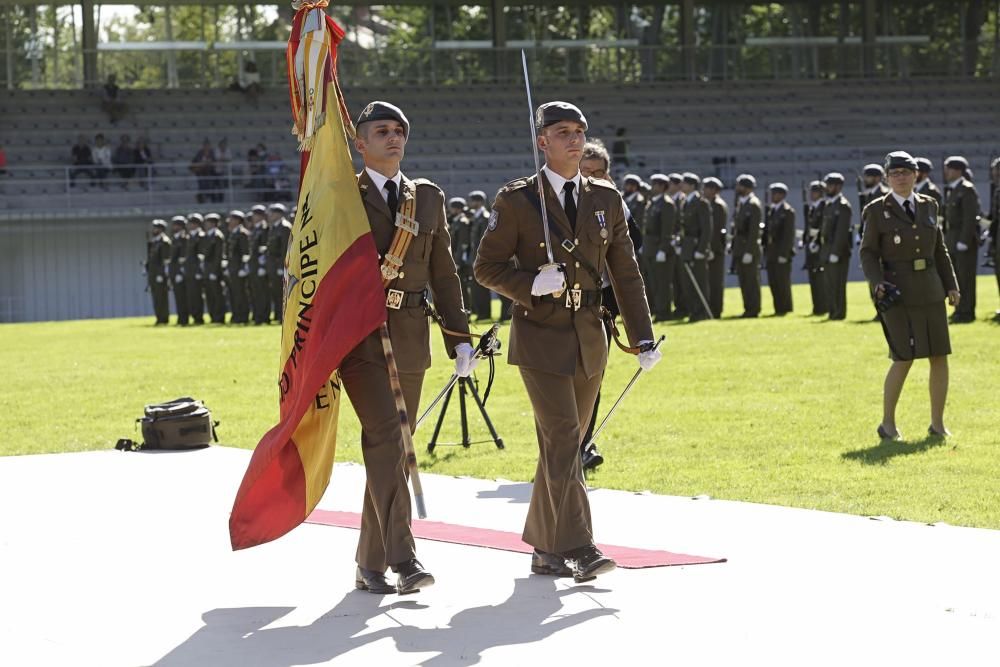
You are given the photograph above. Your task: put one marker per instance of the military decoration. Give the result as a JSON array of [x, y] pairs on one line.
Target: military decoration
[[896, 239]]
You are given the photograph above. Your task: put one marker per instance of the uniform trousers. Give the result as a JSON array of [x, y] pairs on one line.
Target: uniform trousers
[[195, 301], [965, 272], [161, 303], [779, 279], [559, 513], [749, 277], [481, 301], [717, 283], [836, 287], [260, 297], [214, 299], [817, 288], [180, 299], [699, 269], [276, 284], [239, 300]]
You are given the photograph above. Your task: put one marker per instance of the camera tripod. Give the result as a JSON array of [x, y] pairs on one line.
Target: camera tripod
[[465, 385]]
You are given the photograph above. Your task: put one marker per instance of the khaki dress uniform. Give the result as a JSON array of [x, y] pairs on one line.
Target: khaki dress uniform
[[561, 351], [746, 239], [780, 244], [835, 239], [961, 225], [812, 223], [659, 228], [866, 197], [717, 256], [910, 254], [385, 537], [928, 188], [696, 233]]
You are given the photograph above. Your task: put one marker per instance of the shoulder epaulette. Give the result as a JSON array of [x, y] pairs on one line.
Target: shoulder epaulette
[[601, 183], [426, 181], [516, 184], [924, 198]]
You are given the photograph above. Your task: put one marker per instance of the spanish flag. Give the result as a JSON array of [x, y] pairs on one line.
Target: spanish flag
[[333, 298]]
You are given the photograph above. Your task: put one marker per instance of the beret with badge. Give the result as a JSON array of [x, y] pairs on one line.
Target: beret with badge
[[551, 113], [900, 160], [379, 110]]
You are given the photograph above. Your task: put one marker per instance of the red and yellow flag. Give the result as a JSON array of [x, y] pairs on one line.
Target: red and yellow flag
[[333, 299]]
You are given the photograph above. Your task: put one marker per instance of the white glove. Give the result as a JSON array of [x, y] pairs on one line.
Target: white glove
[[225, 263], [159, 279], [548, 281], [661, 256], [747, 258], [261, 272], [650, 358], [699, 255], [711, 255], [262, 260], [676, 243], [181, 260], [814, 247], [961, 247], [834, 259], [465, 361], [782, 260], [178, 279], [243, 273], [213, 277]]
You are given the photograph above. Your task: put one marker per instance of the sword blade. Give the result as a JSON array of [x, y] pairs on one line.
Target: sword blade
[[534, 154], [614, 407], [437, 399], [701, 295]]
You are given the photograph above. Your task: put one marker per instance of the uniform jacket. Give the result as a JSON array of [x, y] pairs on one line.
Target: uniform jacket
[[696, 227], [194, 255], [659, 226], [277, 246], [258, 247], [428, 265], [545, 335], [811, 226], [215, 251], [178, 254], [931, 190], [460, 229], [636, 203], [835, 232], [780, 232], [157, 256], [891, 243], [747, 223], [238, 250], [961, 215], [477, 227], [720, 222]]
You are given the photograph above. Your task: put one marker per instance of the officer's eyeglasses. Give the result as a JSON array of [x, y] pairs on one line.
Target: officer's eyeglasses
[[899, 173]]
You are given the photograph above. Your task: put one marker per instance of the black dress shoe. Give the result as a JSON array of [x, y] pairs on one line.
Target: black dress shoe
[[545, 563], [373, 582], [588, 562], [412, 577], [934, 433], [591, 458], [885, 435]]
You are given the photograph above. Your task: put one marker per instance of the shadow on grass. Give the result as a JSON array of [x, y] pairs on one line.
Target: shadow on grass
[[886, 450]]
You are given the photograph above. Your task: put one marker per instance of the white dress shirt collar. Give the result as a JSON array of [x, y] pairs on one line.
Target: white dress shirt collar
[[689, 196], [379, 180], [912, 199], [954, 184], [558, 182], [744, 199]]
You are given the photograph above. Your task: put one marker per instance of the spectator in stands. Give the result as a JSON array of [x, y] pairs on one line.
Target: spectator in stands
[[223, 158], [83, 161], [203, 167], [277, 179], [124, 161], [248, 81], [102, 160], [143, 159], [255, 163], [111, 102]]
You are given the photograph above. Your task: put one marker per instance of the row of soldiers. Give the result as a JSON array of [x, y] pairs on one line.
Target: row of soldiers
[[467, 221], [212, 267]]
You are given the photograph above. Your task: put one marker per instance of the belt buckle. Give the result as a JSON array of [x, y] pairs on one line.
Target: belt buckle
[[394, 299], [920, 264], [574, 297], [568, 246]]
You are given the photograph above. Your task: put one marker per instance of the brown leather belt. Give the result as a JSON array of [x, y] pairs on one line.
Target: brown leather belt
[[919, 264]]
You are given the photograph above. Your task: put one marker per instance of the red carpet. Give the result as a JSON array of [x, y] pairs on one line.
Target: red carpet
[[626, 557]]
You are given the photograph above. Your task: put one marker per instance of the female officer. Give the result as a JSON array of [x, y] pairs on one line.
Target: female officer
[[909, 270]]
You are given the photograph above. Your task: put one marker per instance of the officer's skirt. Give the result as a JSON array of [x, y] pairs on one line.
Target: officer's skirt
[[916, 332]]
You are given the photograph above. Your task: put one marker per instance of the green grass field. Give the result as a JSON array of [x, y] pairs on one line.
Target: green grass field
[[772, 410]]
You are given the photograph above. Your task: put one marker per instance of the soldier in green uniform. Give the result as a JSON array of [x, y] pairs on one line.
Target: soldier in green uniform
[[903, 253], [748, 221], [479, 217], [657, 255], [717, 246], [178, 256], [238, 253], [279, 230], [780, 228], [260, 294], [961, 229], [194, 274], [215, 254], [835, 244], [157, 265], [695, 220], [680, 279], [632, 194], [459, 226], [874, 188], [812, 223], [924, 184]]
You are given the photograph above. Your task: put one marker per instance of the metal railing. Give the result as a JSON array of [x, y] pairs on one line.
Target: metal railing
[[207, 68]]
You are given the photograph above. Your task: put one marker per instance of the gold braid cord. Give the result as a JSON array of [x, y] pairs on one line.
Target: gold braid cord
[[406, 230]]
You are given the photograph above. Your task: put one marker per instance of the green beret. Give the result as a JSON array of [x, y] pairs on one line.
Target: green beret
[[379, 110], [551, 113]]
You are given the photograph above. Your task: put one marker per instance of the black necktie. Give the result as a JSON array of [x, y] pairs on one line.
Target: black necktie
[[393, 199], [570, 204], [909, 210]]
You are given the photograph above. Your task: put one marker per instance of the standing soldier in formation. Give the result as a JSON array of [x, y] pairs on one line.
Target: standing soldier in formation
[[696, 232], [479, 216], [238, 255], [459, 227], [658, 254], [278, 233], [812, 222], [680, 279], [632, 194], [194, 273], [924, 184], [835, 244], [717, 247], [780, 229], [215, 255], [178, 256], [748, 219], [260, 292], [157, 265], [557, 338], [961, 230], [874, 188]]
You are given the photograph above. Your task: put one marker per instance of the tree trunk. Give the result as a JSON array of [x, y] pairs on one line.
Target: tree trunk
[[975, 16]]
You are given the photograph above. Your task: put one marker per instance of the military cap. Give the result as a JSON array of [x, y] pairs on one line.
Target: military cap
[[551, 113], [196, 217], [162, 224], [874, 170], [675, 177], [900, 160], [690, 178], [712, 181], [746, 180], [834, 177], [957, 162], [659, 178], [456, 201], [633, 178], [379, 110], [995, 163], [212, 217], [236, 213], [178, 219], [278, 208], [780, 187], [477, 194], [816, 185], [924, 165], [258, 208]]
